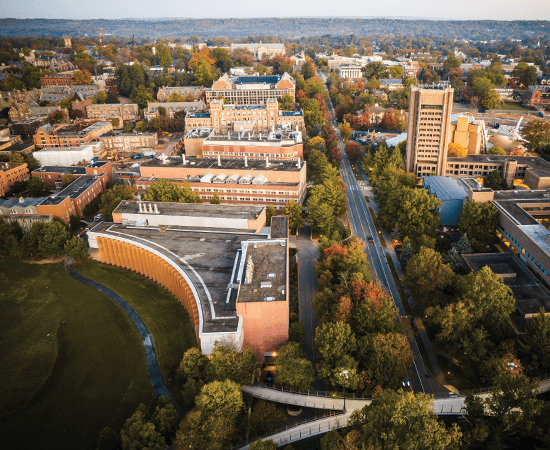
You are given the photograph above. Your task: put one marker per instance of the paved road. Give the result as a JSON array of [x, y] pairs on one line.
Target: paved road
[[362, 226], [307, 283]]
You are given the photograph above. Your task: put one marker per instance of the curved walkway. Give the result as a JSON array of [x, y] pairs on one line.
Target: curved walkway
[[150, 355]]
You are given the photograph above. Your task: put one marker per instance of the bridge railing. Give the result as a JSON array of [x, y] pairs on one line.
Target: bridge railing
[[316, 393], [317, 428]]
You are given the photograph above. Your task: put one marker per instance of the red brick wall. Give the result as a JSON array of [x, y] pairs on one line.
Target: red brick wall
[[265, 325], [63, 210]]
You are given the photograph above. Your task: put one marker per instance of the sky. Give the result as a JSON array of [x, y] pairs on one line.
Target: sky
[[122, 9]]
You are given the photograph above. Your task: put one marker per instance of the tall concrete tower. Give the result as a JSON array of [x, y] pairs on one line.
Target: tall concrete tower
[[429, 131]]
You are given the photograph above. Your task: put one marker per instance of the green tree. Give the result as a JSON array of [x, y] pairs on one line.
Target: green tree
[[375, 70], [427, 276], [295, 216], [201, 431], [296, 333], [108, 440], [166, 59], [203, 75], [538, 134], [308, 71], [403, 420], [77, 249], [269, 213], [16, 158], [268, 444], [221, 399], [141, 95], [166, 419], [193, 364], [314, 86], [494, 181], [32, 163], [452, 62], [102, 97], [264, 418], [331, 441], [491, 301], [496, 150], [113, 196], [228, 364], [345, 130], [52, 240], [490, 99], [534, 345], [292, 369], [479, 222], [138, 433], [526, 74], [162, 111], [167, 191], [222, 58], [215, 200]]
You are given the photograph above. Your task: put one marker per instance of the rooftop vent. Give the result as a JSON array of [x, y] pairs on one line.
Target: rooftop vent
[[270, 275], [266, 285], [269, 299]]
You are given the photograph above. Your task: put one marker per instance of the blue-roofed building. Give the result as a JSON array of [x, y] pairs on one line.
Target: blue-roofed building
[[452, 195]]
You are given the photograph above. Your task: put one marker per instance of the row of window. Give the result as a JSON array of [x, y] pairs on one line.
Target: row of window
[[533, 260]]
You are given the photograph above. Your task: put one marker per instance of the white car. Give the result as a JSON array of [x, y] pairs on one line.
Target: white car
[[98, 217]]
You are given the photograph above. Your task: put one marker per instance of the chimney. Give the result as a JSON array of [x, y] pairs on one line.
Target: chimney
[[245, 161], [219, 160], [298, 165], [140, 207], [156, 209], [184, 160], [266, 162], [150, 208], [260, 136]]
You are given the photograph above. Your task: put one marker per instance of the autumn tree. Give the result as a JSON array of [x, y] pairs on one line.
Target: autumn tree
[[456, 150], [81, 77], [496, 150], [345, 130], [388, 121], [537, 133], [353, 151], [490, 99]]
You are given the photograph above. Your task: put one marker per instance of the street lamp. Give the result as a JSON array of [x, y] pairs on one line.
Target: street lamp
[[344, 374]]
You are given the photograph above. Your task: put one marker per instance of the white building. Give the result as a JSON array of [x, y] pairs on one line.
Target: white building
[[349, 71], [64, 156]]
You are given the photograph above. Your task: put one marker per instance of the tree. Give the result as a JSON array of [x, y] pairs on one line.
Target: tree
[[345, 130], [203, 75], [296, 333], [403, 420], [215, 200], [538, 134], [81, 77], [222, 58], [494, 181], [336, 343], [427, 277], [295, 216], [456, 150], [463, 246], [269, 213], [479, 222], [113, 196], [36, 187], [167, 191], [375, 70], [331, 441], [314, 86], [293, 369], [491, 301], [490, 99], [77, 249], [108, 440], [193, 364], [32, 163], [308, 71], [269, 444], [58, 116], [138, 433], [16, 158], [264, 418], [201, 431], [496, 150], [534, 345], [221, 399], [228, 364], [165, 418], [452, 62], [353, 151], [141, 96], [101, 97], [166, 59], [526, 74], [67, 179], [388, 121]]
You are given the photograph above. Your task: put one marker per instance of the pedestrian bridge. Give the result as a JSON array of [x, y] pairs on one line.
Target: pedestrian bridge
[[453, 404]]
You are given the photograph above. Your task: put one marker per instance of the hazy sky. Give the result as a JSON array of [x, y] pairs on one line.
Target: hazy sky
[[118, 9]]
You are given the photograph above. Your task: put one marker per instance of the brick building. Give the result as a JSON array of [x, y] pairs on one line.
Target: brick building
[[56, 80], [70, 135], [240, 181], [128, 141], [10, 173], [468, 134], [189, 93], [256, 118], [261, 51], [53, 175], [128, 111], [253, 90]]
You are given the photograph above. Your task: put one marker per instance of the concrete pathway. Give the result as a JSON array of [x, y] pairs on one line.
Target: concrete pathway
[[150, 355], [438, 373]]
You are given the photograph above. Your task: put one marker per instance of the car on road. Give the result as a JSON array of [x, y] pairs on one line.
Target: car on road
[[98, 217], [406, 383], [370, 239]]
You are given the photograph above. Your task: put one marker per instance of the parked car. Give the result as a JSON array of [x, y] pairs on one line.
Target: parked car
[[98, 217], [370, 239]]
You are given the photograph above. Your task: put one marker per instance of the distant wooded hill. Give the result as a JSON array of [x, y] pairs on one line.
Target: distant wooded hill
[[282, 27]]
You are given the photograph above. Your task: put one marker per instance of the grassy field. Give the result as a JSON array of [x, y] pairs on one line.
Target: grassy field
[[72, 361], [163, 315]]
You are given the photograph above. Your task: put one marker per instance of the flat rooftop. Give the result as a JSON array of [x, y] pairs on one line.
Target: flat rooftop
[[228, 164], [211, 260], [79, 148], [247, 138], [513, 203], [538, 165], [128, 134], [73, 190], [194, 210], [444, 188], [530, 295], [75, 170]]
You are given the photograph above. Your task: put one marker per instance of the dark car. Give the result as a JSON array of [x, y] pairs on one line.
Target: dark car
[[269, 379], [370, 239]]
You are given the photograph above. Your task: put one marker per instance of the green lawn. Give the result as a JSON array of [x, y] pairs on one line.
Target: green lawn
[[512, 105], [61, 383], [163, 315]]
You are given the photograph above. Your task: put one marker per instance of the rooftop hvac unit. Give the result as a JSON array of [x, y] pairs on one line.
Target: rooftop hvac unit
[[266, 284], [269, 299], [270, 275]]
